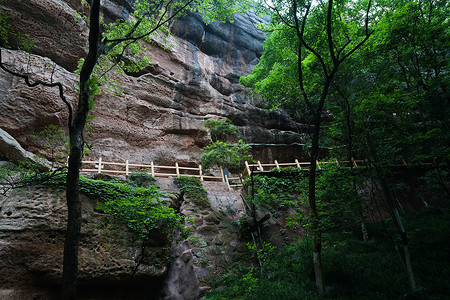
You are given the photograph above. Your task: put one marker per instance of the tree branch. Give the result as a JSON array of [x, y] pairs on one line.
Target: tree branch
[[159, 25], [368, 34], [301, 32], [33, 83], [329, 32], [279, 14]]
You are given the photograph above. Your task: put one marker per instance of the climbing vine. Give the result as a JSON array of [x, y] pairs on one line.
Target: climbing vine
[[142, 210]]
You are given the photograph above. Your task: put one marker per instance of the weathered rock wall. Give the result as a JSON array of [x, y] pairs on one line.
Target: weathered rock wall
[[32, 227], [159, 115]]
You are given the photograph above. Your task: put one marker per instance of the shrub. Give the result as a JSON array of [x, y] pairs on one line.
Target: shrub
[[225, 155], [193, 188], [140, 179], [139, 209], [222, 130]]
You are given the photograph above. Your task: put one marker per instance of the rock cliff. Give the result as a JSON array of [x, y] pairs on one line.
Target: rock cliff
[[159, 115], [32, 226]]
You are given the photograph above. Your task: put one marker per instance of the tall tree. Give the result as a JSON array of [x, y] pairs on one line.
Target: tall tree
[[108, 43], [398, 106], [306, 47]]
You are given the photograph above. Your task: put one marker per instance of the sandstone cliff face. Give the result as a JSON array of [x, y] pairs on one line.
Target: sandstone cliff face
[[32, 226], [159, 116]]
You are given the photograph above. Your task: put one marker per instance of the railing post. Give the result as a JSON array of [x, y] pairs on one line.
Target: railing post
[[177, 170], [276, 163], [318, 165], [126, 167], [298, 164], [221, 174], [260, 166], [354, 162], [99, 165], [200, 172], [152, 168], [228, 183], [248, 168]]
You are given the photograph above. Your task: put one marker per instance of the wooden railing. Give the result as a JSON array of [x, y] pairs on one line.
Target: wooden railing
[[100, 166], [127, 168], [258, 167]]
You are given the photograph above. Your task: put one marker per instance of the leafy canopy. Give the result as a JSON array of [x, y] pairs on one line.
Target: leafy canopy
[[225, 155]]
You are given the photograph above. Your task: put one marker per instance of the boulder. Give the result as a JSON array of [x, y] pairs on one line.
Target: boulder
[[11, 149]]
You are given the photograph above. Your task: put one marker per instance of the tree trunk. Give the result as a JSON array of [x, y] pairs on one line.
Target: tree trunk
[[70, 261], [312, 204], [393, 210]]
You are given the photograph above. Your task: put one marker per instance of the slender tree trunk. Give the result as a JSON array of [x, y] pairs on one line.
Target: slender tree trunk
[[393, 210], [317, 234], [70, 261]]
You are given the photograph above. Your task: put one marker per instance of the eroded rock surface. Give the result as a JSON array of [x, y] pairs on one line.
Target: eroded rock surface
[[32, 226], [213, 247], [13, 151], [159, 115]]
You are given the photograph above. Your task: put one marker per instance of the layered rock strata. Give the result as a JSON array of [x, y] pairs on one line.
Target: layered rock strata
[[32, 226], [159, 115]]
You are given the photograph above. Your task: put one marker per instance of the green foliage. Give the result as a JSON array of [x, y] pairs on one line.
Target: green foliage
[[8, 33], [338, 203], [141, 210], [353, 269], [397, 108], [92, 86], [437, 181], [225, 155], [275, 193], [275, 77], [144, 213], [264, 252], [140, 179], [55, 142], [292, 70], [222, 130], [5, 27], [193, 189]]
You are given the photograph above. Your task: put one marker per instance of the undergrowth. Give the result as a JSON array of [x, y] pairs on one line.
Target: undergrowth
[[353, 269], [142, 210], [193, 189]]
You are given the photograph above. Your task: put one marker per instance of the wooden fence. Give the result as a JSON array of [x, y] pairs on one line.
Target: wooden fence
[[100, 166], [258, 167], [127, 168]]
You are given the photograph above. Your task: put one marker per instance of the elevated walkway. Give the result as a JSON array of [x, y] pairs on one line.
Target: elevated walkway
[[215, 175]]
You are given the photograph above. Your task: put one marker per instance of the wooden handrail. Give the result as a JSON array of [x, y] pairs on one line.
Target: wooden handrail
[[260, 166], [126, 168]]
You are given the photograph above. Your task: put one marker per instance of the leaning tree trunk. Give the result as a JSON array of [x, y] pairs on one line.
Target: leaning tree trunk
[[70, 261], [393, 211]]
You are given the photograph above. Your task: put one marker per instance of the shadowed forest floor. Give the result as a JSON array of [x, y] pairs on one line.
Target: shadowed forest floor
[[353, 269]]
